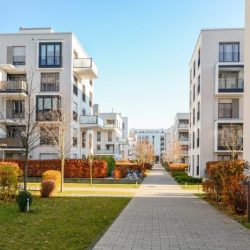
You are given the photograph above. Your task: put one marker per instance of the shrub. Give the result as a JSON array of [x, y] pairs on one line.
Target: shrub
[[110, 163], [183, 178], [9, 173], [47, 188], [224, 184], [22, 198], [178, 166], [52, 175]]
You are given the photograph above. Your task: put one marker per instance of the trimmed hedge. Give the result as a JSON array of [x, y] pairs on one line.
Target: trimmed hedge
[[73, 168], [177, 166], [183, 178], [110, 162], [224, 184]]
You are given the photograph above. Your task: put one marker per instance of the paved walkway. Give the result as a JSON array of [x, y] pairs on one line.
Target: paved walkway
[[163, 216]]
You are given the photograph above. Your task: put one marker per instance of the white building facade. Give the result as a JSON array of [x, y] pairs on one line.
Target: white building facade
[[247, 83], [156, 137], [62, 76], [216, 96]]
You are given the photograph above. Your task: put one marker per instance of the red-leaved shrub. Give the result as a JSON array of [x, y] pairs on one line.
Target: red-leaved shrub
[[47, 188]]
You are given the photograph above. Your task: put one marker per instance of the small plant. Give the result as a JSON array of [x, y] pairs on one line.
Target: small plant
[[24, 200], [52, 175], [47, 188]]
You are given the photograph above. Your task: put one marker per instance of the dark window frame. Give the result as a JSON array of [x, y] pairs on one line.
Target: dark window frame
[[41, 65]]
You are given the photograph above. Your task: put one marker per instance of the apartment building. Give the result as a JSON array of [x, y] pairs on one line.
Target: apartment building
[[59, 75], [247, 84], [181, 138], [168, 153], [216, 96], [156, 137], [111, 138]]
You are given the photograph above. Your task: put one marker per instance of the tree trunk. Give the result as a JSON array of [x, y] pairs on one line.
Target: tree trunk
[[62, 173], [25, 180]]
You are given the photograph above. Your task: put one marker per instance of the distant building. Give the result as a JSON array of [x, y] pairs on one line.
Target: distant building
[[154, 136]]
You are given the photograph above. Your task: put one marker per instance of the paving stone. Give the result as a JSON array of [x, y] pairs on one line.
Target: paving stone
[[164, 216]]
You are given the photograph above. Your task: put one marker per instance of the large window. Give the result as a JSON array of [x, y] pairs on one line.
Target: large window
[[50, 55], [49, 81], [228, 108], [231, 80], [229, 52], [48, 108], [230, 136], [14, 109], [51, 138]]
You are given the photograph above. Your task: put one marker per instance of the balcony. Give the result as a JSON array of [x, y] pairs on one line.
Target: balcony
[[104, 152], [91, 121], [13, 88], [11, 142], [85, 68], [183, 125], [109, 126], [229, 79]]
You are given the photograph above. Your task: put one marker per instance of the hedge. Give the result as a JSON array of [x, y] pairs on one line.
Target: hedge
[[177, 166], [224, 184], [73, 168]]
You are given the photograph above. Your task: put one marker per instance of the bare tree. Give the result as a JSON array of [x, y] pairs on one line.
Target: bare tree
[[177, 151], [54, 128], [144, 152], [232, 139], [25, 131]]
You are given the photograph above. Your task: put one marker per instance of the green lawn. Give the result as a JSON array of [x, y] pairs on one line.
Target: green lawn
[[86, 185], [58, 223]]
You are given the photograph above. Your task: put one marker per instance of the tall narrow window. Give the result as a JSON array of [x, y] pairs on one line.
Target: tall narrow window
[[90, 99], [98, 137], [84, 139], [19, 55], [109, 136], [75, 111], [74, 137], [198, 166], [198, 111], [83, 93]]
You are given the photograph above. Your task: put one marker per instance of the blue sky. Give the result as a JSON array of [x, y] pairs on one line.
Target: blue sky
[[141, 47]]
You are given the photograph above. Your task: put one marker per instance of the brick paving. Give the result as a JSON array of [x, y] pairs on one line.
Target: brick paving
[[164, 216]]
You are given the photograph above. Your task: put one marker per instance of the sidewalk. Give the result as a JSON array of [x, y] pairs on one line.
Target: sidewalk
[[164, 216]]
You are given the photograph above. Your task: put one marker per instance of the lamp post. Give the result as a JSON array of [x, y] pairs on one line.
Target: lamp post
[[2, 146]]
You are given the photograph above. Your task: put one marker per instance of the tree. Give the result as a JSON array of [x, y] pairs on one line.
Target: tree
[[25, 130], [53, 128], [232, 139], [144, 152]]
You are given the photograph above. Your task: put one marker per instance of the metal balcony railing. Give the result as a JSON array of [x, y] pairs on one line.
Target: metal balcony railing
[[83, 63], [11, 142], [13, 86], [91, 120]]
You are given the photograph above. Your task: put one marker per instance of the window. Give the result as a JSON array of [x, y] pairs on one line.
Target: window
[[75, 86], [98, 138], [223, 157], [49, 82], [198, 138], [90, 99], [48, 108], [194, 69], [230, 136], [51, 138], [198, 166], [228, 108], [193, 139], [231, 80], [83, 93], [74, 137], [75, 111], [229, 52], [109, 135], [84, 139], [90, 141], [193, 116], [83, 111], [199, 57], [14, 109], [50, 55], [98, 147], [199, 85], [198, 111], [91, 82], [194, 93], [19, 55]]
